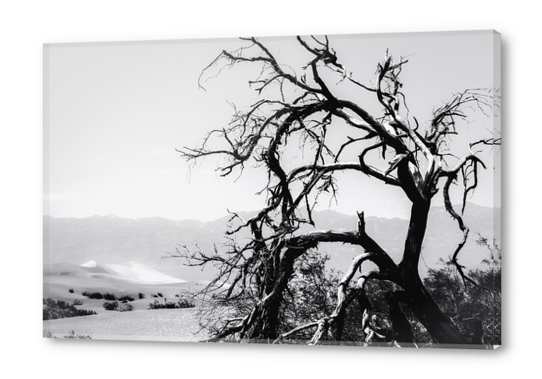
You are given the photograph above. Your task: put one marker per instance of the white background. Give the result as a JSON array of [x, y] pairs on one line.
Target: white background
[[26, 25]]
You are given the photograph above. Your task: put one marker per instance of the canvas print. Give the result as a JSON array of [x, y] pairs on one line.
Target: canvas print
[[313, 190]]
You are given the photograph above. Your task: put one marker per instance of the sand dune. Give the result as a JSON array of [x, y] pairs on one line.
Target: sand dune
[[131, 271]]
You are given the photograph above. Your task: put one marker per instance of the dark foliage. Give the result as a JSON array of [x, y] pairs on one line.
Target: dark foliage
[[53, 309], [312, 292], [93, 295], [183, 303], [71, 335], [109, 296], [111, 305], [125, 308], [474, 309]]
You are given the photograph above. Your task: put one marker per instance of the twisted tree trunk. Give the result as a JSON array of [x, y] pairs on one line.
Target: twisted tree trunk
[[416, 296]]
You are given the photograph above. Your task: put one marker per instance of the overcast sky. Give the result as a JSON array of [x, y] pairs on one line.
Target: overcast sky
[[116, 112]]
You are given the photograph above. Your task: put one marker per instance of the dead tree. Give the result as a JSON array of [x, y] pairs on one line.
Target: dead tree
[[303, 111]]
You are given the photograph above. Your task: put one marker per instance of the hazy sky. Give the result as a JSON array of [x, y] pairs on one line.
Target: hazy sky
[[116, 112]]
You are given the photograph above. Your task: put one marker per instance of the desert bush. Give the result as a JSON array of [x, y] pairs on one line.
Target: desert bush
[[93, 295], [53, 310], [99, 296], [125, 308], [73, 335], [70, 335], [475, 309], [159, 294], [141, 295], [77, 302], [155, 305], [126, 298], [71, 290], [183, 303], [109, 296], [111, 305]]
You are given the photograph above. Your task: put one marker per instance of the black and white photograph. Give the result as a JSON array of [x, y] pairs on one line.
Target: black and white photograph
[[340, 189]]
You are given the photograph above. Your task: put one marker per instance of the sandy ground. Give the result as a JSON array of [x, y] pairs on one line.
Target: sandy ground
[[139, 324], [146, 325]]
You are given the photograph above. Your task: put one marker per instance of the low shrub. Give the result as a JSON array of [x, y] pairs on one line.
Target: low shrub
[[125, 308], [77, 302], [53, 310], [71, 290], [109, 296], [141, 295], [183, 303], [71, 334], [93, 295], [155, 305], [111, 305], [77, 336], [125, 298], [99, 296]]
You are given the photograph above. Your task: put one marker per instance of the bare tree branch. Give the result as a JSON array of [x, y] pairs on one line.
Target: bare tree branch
[[301, 105]]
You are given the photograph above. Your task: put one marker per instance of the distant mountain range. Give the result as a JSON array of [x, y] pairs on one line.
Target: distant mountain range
[[111, 239]]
